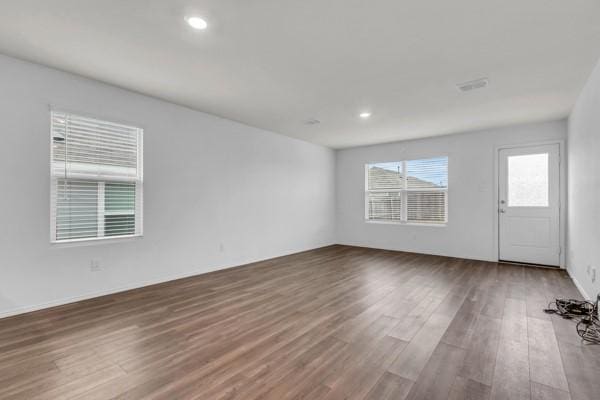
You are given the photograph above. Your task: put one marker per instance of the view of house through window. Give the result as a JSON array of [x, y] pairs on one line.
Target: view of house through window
[[96, 179], [414, 191]]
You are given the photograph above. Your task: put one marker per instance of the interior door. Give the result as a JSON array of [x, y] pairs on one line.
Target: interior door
[[529, 204]]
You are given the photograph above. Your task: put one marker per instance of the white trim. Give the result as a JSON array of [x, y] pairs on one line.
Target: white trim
[[562, 189], [148, 282], [119, 212], [53, 194], [92, 240], [99, 117], [428, 252], [91, 295], [579, 286], [100, 209], [391, 222], [406, 190]]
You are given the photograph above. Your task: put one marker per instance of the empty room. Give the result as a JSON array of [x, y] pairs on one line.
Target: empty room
[[316, 199]]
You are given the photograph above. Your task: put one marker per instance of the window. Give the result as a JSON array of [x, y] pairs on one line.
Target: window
[[96, 179], [413, 191]]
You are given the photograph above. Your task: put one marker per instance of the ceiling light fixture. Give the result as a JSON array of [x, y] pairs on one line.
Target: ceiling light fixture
[[197, 23], [364, 115]]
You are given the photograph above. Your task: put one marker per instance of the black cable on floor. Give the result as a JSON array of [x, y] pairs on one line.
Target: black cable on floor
[[586, 314]]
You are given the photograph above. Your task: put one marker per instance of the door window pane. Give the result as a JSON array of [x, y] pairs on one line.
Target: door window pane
[[528, 180]]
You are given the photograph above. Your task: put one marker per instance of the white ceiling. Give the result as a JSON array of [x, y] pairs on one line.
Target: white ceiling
[[275, 64]]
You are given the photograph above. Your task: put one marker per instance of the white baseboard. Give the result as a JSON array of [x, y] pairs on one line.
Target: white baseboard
[[61, 302], [87, 296], [425, 252], [579, 287]]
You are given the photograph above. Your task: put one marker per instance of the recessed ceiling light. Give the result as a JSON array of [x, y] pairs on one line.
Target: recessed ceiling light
[[365, 114], [197, 23]]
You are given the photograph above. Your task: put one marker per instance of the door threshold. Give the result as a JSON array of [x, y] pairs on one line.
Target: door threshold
[[526, 264]]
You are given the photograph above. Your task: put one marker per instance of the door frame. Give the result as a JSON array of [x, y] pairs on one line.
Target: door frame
[[562, 190]]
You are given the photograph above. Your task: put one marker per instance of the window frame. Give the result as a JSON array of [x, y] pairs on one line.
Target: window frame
[[404, 196], [101, 212]]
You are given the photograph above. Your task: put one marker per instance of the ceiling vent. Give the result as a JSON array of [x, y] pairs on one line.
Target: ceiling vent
[[472, 85], [312, 122]]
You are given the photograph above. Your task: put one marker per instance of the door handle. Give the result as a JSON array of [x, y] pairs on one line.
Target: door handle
[[501, 211]]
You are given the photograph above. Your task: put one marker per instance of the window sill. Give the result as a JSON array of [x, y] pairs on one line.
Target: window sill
[[95, 241], [368, 221]]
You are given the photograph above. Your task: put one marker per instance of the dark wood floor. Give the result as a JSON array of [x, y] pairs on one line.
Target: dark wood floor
[[334, 323]]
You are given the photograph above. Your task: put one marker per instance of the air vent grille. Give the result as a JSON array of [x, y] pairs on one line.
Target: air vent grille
[[472, 85]]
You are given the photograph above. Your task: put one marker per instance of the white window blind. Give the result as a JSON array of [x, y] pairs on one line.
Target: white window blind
[[414, 191], [96, 178]]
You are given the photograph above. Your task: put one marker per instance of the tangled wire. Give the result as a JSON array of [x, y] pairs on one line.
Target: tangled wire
[[584, 312]]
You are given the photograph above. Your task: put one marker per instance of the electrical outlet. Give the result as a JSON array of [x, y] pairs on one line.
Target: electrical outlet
[[593, 274], [95, 266], [589, 270], [221, 247]]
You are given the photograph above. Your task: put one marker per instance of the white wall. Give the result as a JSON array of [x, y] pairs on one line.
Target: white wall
[[471, 228], [584, 187], [208, 181]]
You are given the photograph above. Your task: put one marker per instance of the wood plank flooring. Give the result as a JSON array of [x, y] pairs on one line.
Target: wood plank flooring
[[333, 323]]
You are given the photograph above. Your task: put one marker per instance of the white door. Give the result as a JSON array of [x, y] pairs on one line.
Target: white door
[[529, 204]]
